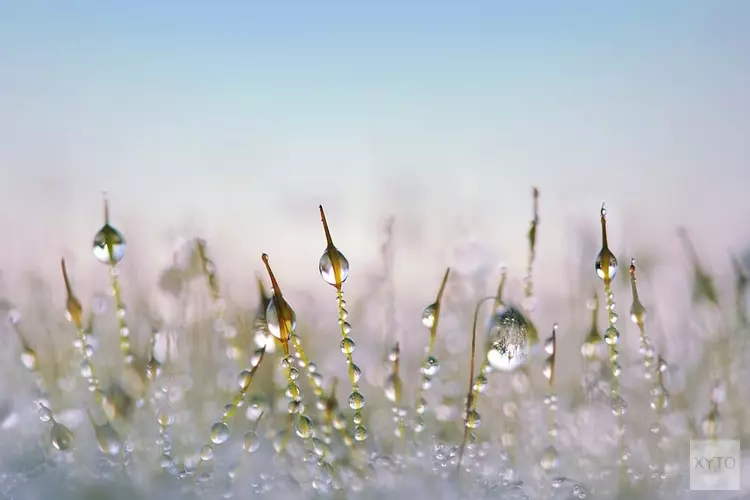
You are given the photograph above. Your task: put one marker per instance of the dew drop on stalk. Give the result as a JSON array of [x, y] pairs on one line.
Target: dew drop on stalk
[[550, 458], [509, 332], [164, 417], [428, 315], [219, 433], [207, 453], [62, 437], [472, 420], [327, 268], [431, 366], [45, 414], [356, 401], [304, 427], [347, 345], [612, 336], [392, 387], [109, 243], [251, 442], [272, 318], [360, 433], [29, 359], [107, 439]]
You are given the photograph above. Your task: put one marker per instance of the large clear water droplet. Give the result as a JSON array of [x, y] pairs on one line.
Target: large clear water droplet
[[428, 315], [109, 238], [62, 437], [606, 265], [509, 347], [272, 318], [327, 269], [107, 439], [219, 433]]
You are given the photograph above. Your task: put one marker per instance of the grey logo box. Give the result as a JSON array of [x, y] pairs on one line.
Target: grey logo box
[[715, 465]]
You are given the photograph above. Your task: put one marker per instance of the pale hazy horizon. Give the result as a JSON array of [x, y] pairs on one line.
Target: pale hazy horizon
[[234, 121]]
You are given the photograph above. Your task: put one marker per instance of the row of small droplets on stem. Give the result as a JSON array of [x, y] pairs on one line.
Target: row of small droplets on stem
[[60, 435], [430, 365], [219, 304], [393, 389], [107, 437], [606, 269], [334, 269], [657, 391], [219, 432], [282, 321], [162, 383], [109, 248], [321, 400], [550, 456]]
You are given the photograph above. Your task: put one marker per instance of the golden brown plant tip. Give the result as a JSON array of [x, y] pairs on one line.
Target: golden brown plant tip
[[73, 305]]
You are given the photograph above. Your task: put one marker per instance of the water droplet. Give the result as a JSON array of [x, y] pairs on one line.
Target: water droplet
[[356, 401], [550, 458], [272, 319], [612, 336], [107, 439], [606, 265], [392, 388], [109, 244], [207, 453], [431, 366], [164, 417], [428, 315], [45, 414], [219, 433], [86, 369], [347, 345], [354, 373], [510, 345], [251, 442], [473, 420], [62, 437], [29, 359], [360, 433], [480, 383], [327, 267], [547, 369], [304, 427], [421, 406]]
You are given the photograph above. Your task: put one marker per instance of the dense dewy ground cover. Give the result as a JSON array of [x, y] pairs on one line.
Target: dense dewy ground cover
[[118, 399]]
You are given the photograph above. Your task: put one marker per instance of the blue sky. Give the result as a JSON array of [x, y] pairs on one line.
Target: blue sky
[[208, 114]]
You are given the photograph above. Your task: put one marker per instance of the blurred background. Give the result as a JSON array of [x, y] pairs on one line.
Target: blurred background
[[233, 121]]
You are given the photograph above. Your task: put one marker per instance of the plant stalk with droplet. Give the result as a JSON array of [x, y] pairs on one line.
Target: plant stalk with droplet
[[710, 423], [393, 388], [550, 455], [109, 248], [638, 316], [315, 379], [606, 268], [471, 418], [479, 384], [220, 429], [334, 269], [282, 321], [74, 314], [430, 365]]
